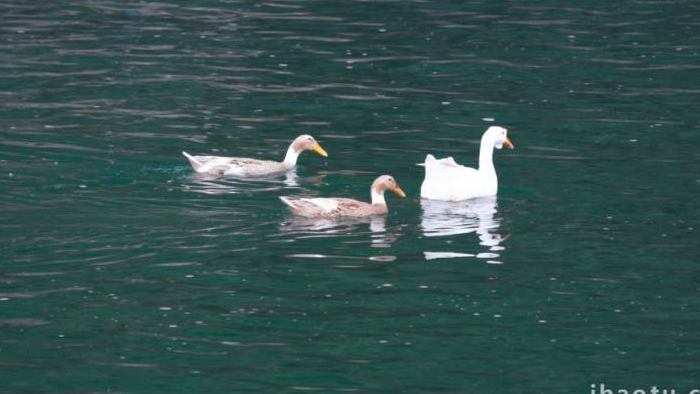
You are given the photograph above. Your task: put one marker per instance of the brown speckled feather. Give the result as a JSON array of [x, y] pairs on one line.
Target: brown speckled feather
[[332, 207]]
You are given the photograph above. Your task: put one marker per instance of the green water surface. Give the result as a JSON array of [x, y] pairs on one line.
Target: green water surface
[[122, 271]]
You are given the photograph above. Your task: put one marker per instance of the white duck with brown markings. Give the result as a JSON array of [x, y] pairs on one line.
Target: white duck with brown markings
[[252, 168], [346, 207]]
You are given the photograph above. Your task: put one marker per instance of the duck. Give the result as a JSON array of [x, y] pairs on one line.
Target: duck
[[448, 181], [346, 207], [251, 168]]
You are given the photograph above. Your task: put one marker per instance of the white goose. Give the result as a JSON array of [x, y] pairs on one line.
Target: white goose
[[250, 168], [448, 181]]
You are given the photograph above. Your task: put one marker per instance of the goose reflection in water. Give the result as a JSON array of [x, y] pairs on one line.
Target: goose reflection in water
[[444, 219]]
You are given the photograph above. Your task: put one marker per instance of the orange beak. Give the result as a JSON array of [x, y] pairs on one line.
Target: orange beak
[[318, 150], [397, 190], [508, 144]]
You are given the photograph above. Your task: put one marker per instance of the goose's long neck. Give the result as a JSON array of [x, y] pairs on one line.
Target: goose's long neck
[[486, 155], [290, 159]]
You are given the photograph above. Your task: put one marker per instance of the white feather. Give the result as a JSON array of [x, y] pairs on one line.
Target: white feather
[[288, 202], [447, 180]]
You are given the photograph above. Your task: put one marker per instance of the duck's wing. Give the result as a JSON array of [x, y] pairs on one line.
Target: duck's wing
[[204, 164], [326, 207], [204, 159], [310, 207], [255, 168], [352, 207], [240, 166]]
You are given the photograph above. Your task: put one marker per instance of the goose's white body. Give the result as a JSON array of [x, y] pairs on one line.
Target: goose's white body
[[448, 181]]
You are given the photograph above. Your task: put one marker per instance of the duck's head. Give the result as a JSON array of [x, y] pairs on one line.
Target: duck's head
[[499, 136], [386, 182], [307, 142]]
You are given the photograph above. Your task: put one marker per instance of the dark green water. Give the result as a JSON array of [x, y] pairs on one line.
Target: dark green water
[[121, 271]]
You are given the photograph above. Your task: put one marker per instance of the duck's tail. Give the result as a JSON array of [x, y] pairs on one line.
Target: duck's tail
[[288, 202], [193, 161]]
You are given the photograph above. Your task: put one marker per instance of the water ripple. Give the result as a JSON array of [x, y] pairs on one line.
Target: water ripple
[[115, 254]]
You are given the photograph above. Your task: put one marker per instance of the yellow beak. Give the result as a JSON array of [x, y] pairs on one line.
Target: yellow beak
[[318, 150], [397, 190], [508, 144]]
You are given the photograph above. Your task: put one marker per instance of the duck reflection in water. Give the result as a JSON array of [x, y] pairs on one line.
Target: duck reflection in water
[[380, 237], [478, 215], [212, 184]]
